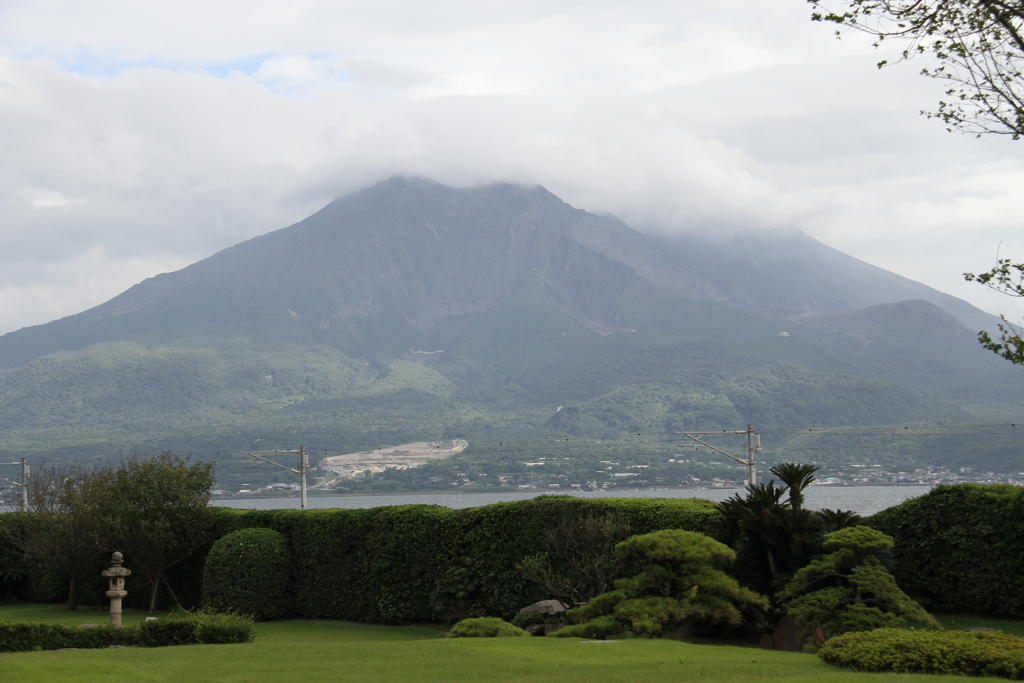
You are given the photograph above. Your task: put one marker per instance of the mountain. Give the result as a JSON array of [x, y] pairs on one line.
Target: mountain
[[411, 263], [411, 310]]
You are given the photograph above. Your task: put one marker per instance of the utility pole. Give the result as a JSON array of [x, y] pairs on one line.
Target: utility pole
[[257, 457], [753, 446], [23, 483]]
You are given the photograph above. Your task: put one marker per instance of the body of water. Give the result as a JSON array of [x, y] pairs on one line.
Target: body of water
[[865, 500]]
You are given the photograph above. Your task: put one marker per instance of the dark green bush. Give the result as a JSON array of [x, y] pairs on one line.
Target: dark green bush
[[177, 628], [677, 584], [249, 571], [524, 619], [378, 565], [960, 548], [933, 652], [849, 588], [485, 627]]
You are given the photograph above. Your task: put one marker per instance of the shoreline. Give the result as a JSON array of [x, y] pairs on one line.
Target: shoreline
[[497, 490]]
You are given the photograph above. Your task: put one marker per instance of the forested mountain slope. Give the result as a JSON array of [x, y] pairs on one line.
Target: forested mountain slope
[[412, 311]]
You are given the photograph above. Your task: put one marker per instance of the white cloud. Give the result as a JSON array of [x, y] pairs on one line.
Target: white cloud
[[141, 136], [44, 198]]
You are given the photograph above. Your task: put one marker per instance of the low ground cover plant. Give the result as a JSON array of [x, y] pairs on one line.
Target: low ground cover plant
[[485, 627], [177, 628], [934, 652]]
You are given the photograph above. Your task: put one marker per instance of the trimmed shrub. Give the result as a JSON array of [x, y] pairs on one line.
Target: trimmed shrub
[[219, 628], [248, 571], [485, 627], [960, 548], [29, 636], [932, 652], [849, 589], [208, 627], [677, 585], [177, 628]]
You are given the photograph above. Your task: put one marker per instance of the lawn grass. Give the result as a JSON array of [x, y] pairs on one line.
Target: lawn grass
[[958, 622], [84, 615], [303, 651]]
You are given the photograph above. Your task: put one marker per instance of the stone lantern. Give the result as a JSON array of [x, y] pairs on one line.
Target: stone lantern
[[116, 574]]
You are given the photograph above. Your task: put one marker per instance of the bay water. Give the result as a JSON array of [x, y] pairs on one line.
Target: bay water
[[865, 500]]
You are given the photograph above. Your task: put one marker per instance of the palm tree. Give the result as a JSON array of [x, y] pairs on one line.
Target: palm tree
[[752, 525], [772, 540], [834, 520], [796, 477]]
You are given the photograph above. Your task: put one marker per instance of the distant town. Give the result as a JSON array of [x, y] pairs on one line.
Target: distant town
[[855, 475]]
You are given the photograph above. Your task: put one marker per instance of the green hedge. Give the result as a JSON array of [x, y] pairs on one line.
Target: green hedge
[[180, 628], [928, 652], [960, 548], [249, 571], [420, 562], [412, 562]]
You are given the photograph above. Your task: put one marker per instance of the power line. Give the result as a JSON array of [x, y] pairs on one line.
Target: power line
[[619, 439], [894, 445], [808, 430]]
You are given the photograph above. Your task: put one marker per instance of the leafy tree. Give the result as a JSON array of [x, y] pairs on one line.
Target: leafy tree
[[13, 568], [1007, 278], [677, 585], [154, 511], [978, 44], [57, 529], [849, 589], [579, 561]]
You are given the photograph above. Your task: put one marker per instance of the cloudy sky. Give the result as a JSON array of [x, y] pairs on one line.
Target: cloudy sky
[[136, 138]]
